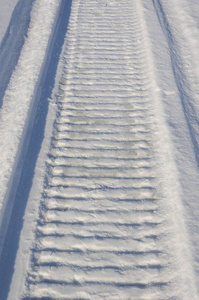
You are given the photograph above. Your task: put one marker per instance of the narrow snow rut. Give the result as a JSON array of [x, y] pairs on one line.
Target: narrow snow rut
[[102, 232]]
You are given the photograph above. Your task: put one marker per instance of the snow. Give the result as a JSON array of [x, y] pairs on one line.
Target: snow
[[7, 7], [112, 211], [16, 109]]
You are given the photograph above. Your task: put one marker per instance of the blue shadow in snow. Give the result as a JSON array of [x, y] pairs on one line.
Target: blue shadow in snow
[[23, 177]]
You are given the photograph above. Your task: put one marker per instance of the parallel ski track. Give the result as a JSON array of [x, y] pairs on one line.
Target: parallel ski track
[[100, 230]]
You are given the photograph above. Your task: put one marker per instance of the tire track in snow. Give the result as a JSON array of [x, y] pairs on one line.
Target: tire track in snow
[[102, 231]]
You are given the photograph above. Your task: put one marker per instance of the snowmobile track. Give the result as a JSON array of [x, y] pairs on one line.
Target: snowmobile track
[[100, 232]]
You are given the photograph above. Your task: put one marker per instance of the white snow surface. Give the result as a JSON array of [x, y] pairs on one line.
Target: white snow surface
[[113, 209]]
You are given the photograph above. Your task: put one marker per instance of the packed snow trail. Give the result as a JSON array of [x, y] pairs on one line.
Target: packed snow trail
[[106, 227]]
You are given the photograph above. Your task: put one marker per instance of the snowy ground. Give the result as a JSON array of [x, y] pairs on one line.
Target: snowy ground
[[99, 149]]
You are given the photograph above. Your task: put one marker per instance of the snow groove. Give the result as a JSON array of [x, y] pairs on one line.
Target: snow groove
[[101, 231]]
